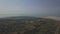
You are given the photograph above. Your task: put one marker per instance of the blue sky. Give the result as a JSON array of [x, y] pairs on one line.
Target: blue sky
[[30, 7]]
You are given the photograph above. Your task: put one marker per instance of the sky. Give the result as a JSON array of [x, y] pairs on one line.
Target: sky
[[29, 8]]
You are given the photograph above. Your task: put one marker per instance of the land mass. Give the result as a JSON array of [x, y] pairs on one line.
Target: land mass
[[29, 25]]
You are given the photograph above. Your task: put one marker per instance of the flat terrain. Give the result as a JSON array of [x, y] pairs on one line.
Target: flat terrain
[[29, 25]]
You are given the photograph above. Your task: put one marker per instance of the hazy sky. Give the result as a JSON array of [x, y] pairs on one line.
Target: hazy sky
[[30, 7]]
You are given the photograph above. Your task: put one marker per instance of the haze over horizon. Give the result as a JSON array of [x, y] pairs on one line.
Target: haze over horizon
[[29, 8]]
